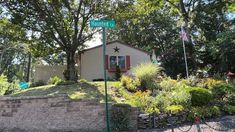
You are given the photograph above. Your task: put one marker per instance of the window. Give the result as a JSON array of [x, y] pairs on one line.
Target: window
[[117, 61]]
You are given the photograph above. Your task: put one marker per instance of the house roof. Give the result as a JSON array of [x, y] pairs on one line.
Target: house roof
[[116, 41]]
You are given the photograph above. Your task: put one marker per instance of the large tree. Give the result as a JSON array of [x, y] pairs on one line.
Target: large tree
[[156, 24], [57, 25], [12, 48]]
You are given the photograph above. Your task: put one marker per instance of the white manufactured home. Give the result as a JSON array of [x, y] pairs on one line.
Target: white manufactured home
[[117, 53]]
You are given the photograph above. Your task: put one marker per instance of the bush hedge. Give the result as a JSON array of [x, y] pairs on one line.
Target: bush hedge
[[200, 96]]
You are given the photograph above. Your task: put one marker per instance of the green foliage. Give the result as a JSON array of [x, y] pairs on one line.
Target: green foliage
[[231, 99], [168, 84], [230, 109], [66, 82], [82, 81], [222, 90], [117, 73], [13, 87], [204, 112], [200, 96], [210, 82], [181, 96], [174, 109], [37, 83], [54, 30], [54, 80], [147, 74], [215, 110], [143, 101], [3, 84], [163, 100], [153, 110], [120, 117], [130, 83]]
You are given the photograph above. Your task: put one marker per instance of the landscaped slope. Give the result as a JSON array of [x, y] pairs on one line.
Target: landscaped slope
[[87, 90]]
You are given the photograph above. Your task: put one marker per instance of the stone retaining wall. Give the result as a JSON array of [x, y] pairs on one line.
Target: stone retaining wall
[[53, 113]]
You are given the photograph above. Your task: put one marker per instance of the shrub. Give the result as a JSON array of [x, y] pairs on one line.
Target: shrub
[[54, 80], [147, 73], [230, 109], [163, 100], [174, 109], [4, 85], [168, 84], [222, 90], [204, 112], [120, 117], [180, 96], [143, 101], [215, 110], [117, 73], [129, 83], [231, 99], [200, 96], [210, 82], [38, 83], [13, 87]]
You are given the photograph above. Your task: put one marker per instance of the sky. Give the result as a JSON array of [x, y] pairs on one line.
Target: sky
[[95, 41]]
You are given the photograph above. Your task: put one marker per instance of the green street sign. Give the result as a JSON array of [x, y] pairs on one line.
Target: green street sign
[[102, 23]]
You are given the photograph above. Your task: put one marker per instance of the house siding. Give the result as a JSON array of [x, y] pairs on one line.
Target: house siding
[[92, 60]]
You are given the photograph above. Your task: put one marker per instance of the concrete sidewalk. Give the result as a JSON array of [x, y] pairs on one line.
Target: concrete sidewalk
[[221, 124]]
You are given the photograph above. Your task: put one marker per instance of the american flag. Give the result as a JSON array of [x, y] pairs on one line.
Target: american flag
[[183, 35]]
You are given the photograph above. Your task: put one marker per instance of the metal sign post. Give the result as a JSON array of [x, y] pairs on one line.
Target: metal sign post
[[104, 24]]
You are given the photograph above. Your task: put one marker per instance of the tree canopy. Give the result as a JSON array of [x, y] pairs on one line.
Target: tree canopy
[[57, 25], [156, 25]]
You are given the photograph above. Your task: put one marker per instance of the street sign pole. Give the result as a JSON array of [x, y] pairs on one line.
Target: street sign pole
[[104, 24], [105, 80]]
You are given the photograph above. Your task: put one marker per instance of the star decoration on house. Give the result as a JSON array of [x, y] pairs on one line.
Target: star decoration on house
[[116, 49]]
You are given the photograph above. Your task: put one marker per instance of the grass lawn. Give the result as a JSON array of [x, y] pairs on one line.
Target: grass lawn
[[85, 90]]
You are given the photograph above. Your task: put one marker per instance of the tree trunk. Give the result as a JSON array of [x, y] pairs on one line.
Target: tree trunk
[[71, 72]]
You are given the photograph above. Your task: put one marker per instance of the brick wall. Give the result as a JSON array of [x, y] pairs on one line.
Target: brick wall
[[49, 113]]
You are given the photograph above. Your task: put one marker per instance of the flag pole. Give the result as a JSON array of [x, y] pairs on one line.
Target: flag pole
[[185, 58]]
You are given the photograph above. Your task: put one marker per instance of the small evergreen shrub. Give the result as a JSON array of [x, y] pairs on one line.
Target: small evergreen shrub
[[54, 80], [200, 96], [117, 73], [174, 109], [230, 109], [37, 83]]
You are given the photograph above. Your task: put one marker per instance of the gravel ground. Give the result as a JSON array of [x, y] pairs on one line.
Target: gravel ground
[[222, 124]]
